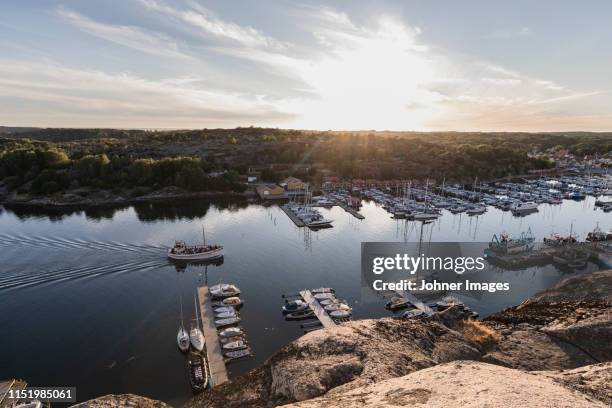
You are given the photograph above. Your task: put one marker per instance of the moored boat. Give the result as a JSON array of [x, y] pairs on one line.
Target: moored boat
[[224, 290], [235, 345], [195, 334], [237, 354], [227, 321], [198, 372], [231, 332]]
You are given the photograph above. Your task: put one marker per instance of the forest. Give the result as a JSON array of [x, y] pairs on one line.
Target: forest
[[47, 161]]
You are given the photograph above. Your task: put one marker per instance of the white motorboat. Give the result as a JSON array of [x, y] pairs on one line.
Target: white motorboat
[[195, 334], [224, 290], [477, 210], [321, 296], [294, 306], [235, 345], [231, 332], [339, 314], [225, 315], [423, 216], [337, 306], [183, 252], [524, 208], [234, 355], [224, 309], [227, 321], [182, 338]]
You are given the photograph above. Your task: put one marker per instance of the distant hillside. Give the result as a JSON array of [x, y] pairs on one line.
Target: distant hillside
[[15, 130]]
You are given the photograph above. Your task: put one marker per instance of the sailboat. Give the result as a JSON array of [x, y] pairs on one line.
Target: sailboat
[[182, 338], [183, 252], [195, 335]]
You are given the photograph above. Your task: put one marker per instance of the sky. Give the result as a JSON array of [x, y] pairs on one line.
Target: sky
[[341, 65]]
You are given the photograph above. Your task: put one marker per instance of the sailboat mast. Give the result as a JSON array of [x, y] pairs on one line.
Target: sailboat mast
[[203, 236], [195, 303]]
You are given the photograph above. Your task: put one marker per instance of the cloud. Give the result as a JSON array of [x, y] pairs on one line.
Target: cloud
[[94, 98], [202, 19], [133, 37]]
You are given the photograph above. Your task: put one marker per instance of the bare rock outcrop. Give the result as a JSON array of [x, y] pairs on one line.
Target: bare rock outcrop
[[122, 401], [459, 384]]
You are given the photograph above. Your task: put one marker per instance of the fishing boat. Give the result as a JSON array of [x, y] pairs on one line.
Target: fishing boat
[[555, 240], [597, 235], [506, 245], [198, 372], [231, 332], [224, 290], [227, 321], [237, 354], [302, 314], [195, 334], [397, 303], [235, 345], [524, 208], [182, 338], [294, 306], [183, 252]]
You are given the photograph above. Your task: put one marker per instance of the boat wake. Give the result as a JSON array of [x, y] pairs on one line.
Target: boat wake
[[63, 243], [20, 280]]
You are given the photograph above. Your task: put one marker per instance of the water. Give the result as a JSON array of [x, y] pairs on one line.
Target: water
[[88, 299]]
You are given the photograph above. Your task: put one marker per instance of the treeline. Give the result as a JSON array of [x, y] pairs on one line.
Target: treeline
[[47, 169]]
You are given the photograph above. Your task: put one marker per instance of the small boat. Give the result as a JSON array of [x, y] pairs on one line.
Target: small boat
[[477, 210], [227, 321], [321, 296], [397, 303], [225, 315], [328, 301], [235, 345], [195, 335], [225, 340], [524, 208], [231, 332], [294, 306], [224, 309], [224, 290], [597, 235], [555, 240], [182, 338], [337, 306], [237, 354], [506, 245], [198, 372], [339, 314], [183, 252], [232, 301], [302, 314], [423, 216], [410, 314]]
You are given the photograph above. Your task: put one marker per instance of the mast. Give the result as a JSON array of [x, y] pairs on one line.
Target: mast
[[195, 303], [182, 326], [203, 235]]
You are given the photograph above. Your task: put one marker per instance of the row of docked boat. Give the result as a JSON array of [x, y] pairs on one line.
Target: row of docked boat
[[192, 342], [309, 215], [226, 305], [296, 308]]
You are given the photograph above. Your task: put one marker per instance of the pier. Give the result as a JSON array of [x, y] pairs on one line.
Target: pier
[[216, 362], [351, 211], [415, 302], [293, 217], [318, 310]]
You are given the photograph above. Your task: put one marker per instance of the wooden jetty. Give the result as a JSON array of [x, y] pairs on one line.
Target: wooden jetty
[[293, 217], [351, 211], [318, 310], [5, 387], [415, 301], [216, 362]]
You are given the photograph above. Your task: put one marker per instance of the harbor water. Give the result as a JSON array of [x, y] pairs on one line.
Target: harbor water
[[88, 298]]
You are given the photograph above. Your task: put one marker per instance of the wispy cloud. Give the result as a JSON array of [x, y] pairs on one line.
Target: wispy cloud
[[205, 21], [133, 37]]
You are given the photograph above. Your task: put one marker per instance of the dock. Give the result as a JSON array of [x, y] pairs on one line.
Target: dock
[[293, 217], [351, 211], [216, 362], [415, 302], [318, 310], [5, 387]]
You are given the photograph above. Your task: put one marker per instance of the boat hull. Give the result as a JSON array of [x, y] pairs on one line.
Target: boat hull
[[217, 253]]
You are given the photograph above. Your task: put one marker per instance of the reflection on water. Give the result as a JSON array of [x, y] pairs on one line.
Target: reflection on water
[[92, 300]]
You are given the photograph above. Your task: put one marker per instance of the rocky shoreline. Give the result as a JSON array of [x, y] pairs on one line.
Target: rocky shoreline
[[554, 349]]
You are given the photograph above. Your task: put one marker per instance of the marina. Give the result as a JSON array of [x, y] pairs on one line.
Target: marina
[[216, 362]]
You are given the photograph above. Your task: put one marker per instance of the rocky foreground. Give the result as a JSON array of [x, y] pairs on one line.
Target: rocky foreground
[[553, 350]]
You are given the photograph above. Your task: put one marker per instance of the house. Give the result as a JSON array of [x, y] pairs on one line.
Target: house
[[293, 184], [270, 191]]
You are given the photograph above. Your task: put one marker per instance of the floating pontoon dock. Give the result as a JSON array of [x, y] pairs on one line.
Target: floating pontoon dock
[[293, 217], [318, 310], [351, 211], [216, 362]]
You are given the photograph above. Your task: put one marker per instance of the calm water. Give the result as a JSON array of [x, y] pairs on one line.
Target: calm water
[[88, 299]]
